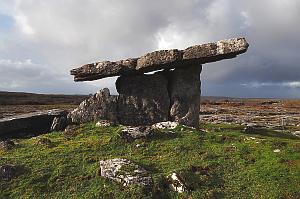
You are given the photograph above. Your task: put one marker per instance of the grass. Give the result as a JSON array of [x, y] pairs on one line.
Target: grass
[[222, 162]]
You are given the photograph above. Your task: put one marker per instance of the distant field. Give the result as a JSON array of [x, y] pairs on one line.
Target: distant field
[[16, 98], [13, 103]]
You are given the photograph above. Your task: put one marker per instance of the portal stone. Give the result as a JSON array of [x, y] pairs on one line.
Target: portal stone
[[185, 91], [143, 99]]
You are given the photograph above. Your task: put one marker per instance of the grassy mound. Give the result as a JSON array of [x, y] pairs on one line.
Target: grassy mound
[[220, 162]]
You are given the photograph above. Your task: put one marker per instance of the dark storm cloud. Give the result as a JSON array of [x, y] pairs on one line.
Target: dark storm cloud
[[58, 35]]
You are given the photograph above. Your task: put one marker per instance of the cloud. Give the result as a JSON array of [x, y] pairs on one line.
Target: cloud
[[268, 84], [60, 35], [31, 77]]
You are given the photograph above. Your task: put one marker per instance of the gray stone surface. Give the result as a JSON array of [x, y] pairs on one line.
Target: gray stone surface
[[165, 125], [155, 60], [132, 133], [101, 105], [176, 183], [59, 123], [184, 91], [143, 99], [125, 172], [104, 123], [103, 69], [28, 125], [163, 59]]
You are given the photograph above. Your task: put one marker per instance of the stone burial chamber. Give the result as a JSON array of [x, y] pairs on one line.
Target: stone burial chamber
[[171, 93]]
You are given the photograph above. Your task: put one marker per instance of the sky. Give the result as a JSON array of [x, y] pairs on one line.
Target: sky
[[41, 40]]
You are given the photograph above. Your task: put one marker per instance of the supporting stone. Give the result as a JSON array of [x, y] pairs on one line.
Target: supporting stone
[[143, 99], [185, 91], [102, 105]]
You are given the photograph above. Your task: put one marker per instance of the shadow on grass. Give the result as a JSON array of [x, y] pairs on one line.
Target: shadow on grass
[[272, 133], [164, 135]]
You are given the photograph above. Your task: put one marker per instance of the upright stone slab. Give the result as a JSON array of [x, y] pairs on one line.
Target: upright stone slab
[[185, 91], [102, 105], [143, 99]]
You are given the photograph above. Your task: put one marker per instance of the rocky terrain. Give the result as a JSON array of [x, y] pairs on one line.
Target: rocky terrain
[[277, 114]]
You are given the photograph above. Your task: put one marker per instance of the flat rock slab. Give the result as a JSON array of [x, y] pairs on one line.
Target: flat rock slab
[[28, 125], [125, 172], [163, 59]]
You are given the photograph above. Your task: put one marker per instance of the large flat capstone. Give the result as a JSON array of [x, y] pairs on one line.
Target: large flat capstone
[[163, 59]]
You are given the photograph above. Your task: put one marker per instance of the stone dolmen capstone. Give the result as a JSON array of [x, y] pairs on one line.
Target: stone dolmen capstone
[[172, 94]]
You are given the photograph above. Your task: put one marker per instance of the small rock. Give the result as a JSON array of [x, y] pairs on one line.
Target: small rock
[[176, 183], [276, 151], [126, 172], [44, 141], [296, 133], [165, 125], [250, 128], [131, 133], [103, 123], [7, 172], [6, 145]]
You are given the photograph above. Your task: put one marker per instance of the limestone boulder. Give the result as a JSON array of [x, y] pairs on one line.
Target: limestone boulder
[[132, 133], [101, 105], [125, 172]]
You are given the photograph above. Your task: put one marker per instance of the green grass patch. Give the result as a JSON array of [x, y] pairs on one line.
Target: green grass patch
[[223, 162]]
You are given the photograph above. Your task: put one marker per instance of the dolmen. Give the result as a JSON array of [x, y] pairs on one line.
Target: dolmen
[[170, 93]]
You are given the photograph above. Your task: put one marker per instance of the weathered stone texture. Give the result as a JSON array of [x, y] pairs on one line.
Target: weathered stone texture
[[102, 105], [184, 91], [103, 69], [150, 61], [143, 99], [163, 59], [125, 172]]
